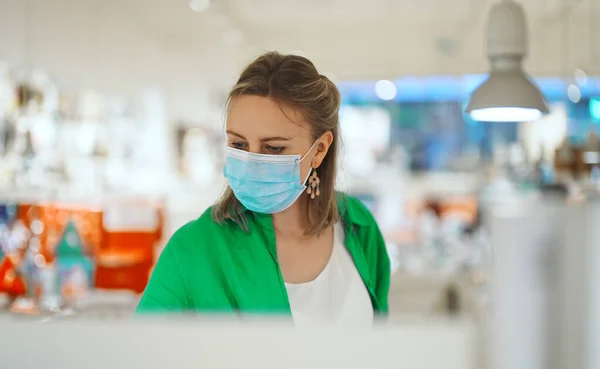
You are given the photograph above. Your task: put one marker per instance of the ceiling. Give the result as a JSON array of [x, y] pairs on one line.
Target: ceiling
[[386, 38], [124, 45]]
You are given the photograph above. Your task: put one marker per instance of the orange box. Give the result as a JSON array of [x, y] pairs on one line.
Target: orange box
[[122, 270], [132, 229]]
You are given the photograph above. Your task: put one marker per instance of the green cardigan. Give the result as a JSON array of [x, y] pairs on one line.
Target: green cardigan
[[219, 268]]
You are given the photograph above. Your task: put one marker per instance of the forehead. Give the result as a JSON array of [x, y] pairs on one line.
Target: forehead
[[255, 116]]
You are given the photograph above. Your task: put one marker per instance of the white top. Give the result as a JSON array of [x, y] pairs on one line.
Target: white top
[[338, 296]]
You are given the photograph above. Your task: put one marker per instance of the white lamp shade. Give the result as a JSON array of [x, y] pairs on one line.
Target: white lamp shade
[[507, 96]]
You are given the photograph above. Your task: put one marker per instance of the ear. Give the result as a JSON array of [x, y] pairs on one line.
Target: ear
[[322, 147]]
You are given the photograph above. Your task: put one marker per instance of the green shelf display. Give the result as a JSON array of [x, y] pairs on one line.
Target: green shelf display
[[76, 269]]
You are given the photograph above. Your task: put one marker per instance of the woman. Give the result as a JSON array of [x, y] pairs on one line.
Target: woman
[[280, 240]]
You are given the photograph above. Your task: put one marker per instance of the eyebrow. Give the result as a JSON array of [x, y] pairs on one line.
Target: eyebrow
[[262, 139]]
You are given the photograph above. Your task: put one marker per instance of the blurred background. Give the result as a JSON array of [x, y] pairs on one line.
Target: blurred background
[[111, 132]]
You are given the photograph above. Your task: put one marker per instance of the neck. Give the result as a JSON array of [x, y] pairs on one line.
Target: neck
[[293, 221]]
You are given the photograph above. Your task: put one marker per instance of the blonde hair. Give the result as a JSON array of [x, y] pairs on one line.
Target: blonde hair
[[293, 81]]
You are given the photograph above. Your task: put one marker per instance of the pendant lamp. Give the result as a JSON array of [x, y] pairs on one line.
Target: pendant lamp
[[507, 95]]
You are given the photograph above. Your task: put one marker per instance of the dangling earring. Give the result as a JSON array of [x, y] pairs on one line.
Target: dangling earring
[[314, 185]]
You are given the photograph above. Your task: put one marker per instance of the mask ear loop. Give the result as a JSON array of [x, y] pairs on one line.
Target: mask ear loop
[[309, 150], [311, 168]]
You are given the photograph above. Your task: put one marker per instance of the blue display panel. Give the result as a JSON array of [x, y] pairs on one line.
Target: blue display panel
[[428, 116], [440, 88]]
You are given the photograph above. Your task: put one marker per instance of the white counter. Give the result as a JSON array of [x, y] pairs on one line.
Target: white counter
[[221, 344]]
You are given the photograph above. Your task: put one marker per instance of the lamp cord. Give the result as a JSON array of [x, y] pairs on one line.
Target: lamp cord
[[566, 45], [27, 24], [595, 58]]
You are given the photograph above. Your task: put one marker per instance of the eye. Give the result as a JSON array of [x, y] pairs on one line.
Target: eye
[[274, 149], [238, 145]]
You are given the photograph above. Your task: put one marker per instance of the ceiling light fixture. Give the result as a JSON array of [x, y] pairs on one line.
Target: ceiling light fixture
[[581, 77], [507, 95], [199, 5], [574, 94], [385, 90]]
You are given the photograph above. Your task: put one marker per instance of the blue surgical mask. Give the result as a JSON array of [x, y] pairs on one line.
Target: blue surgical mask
[[266, 184]]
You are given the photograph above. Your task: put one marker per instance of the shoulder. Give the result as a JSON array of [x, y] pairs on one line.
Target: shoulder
[[354, 211], [191, 229], [194, 235]]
